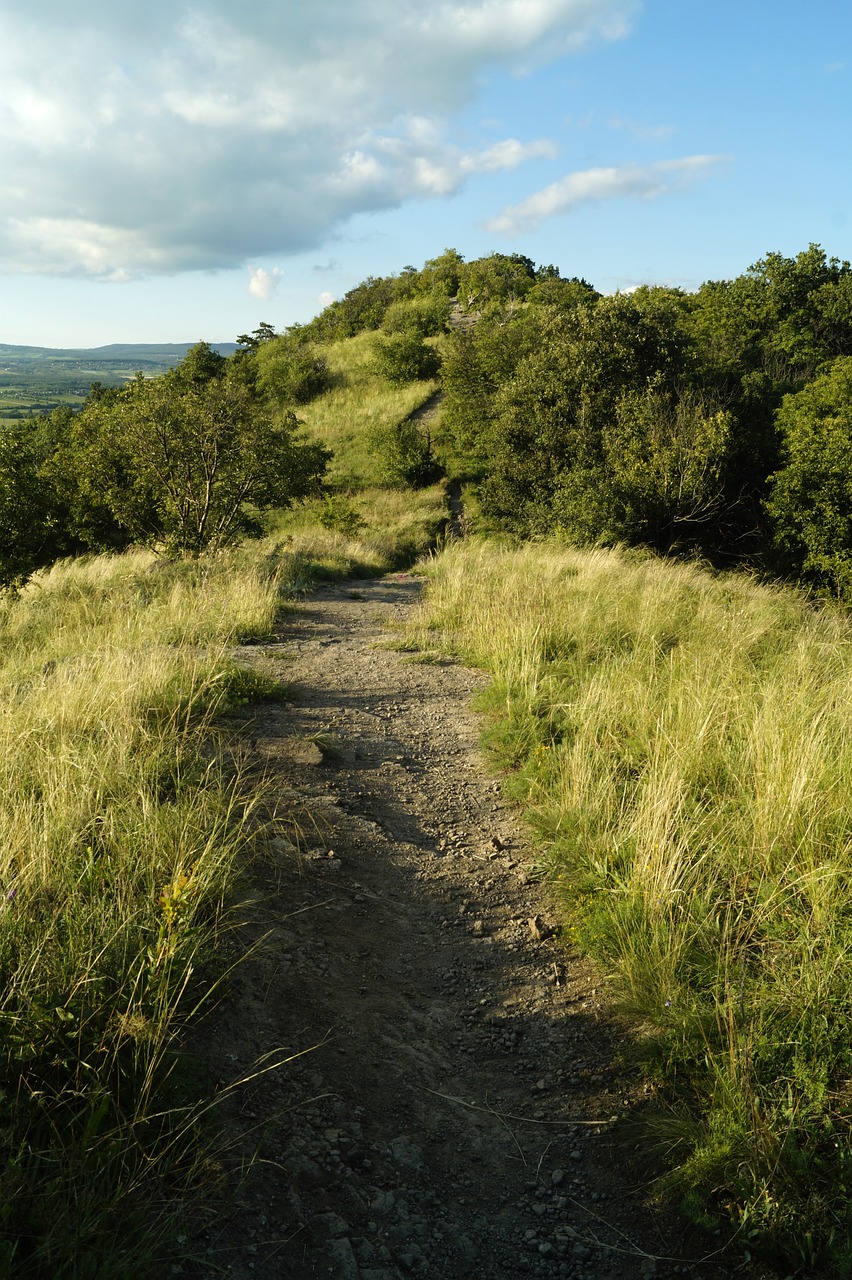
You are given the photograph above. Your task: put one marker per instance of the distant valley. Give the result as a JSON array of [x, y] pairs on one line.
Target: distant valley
[[38, 379]]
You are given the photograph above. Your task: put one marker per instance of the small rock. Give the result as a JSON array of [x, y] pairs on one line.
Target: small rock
[[300, 751], [538, 928], [280, 845]]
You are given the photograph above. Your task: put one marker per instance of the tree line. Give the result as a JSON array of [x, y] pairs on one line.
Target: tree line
[[187, 461], [717, 422]]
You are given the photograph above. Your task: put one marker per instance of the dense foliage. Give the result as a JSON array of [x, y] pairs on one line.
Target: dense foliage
[[656, 417], [711, 423], [186, 462]]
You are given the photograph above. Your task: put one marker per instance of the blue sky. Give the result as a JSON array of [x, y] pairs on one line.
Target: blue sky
[[184, 171]]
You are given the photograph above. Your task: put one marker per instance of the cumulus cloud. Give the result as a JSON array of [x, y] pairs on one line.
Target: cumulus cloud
[[262, 283], [166, 137], [588, 186]]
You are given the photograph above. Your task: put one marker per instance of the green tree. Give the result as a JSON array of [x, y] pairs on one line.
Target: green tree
[[424, 314], [34, 518], [501, 278], [810, 504], [404, 357], [662, 477], [187, 463], [551, 415], [290, 370]]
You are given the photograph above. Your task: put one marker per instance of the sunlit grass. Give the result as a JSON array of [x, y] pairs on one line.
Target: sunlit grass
[[124, 825], [121, 831], [384, 529], [682, 744], [361, 404]]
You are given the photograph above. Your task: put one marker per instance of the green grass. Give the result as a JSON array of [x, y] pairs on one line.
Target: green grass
[[122, 829], [383, 529], [682, 745], [352, 415]]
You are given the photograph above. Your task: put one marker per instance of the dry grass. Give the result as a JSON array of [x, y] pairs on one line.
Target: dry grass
[[121, 832], [683, 746], [350, 417]]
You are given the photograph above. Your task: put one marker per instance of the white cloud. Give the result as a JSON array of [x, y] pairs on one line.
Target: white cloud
[[631, 181], [508, 155], [262, 283], [164, 137], [325, 298]]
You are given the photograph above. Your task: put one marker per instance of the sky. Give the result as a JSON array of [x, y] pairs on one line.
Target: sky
[[174, 171]]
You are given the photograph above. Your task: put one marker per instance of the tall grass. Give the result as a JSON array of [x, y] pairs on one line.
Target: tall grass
[[683, 746], [123, 828], [120, 834], [366, 534], [351, 416]]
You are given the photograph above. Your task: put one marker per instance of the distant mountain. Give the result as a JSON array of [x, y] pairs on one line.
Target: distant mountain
[[125, 352], [37, 379]]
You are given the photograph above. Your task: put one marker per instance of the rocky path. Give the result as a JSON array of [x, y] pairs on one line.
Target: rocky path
[[453, 1105]]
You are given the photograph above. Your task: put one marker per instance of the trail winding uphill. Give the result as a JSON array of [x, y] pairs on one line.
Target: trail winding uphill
[[455, 1109]]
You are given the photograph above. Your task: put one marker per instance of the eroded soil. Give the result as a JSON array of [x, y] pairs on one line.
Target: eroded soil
[[458, 1108]]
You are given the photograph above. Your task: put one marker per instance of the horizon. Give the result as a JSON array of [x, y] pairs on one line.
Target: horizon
[[182, 173]]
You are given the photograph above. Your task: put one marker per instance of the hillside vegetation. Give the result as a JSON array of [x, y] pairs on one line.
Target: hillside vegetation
[[678, 737], [681, 744]]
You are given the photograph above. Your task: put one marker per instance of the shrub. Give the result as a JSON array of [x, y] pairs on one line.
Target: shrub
[[290, 371], [425, 316], [405, 357], [811, 499]]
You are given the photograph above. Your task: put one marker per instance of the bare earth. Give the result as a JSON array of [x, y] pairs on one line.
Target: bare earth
[[458, 1109]]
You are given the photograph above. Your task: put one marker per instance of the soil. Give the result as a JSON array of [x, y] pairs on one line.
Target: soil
[[434, 1085]]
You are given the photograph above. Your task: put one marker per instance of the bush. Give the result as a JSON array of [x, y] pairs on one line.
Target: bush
[[290, 371], [405, 357], [811, 500], [425, 316], [405, 455]]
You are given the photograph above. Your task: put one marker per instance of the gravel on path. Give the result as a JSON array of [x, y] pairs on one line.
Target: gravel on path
[[453, 1104]]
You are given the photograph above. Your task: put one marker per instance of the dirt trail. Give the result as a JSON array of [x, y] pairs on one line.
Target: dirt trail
[[457, 1115]]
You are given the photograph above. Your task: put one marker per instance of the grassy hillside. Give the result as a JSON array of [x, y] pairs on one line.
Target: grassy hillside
[[356, 415], [681, 744]]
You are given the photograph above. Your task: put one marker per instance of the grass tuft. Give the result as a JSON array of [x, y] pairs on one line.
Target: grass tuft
[[682, 744], [121, 833]]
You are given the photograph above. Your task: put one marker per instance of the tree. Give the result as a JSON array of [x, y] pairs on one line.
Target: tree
[[662, 480], [290, 370], [188, 463], [404, 357], [810, 504], [504, 278], [424, 314], [551, 415], [34, 524]]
